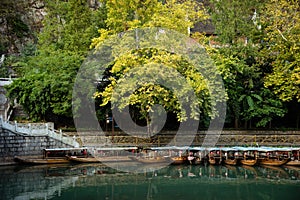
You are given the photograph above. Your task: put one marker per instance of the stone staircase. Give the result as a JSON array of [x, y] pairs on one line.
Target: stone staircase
[[38, 129]]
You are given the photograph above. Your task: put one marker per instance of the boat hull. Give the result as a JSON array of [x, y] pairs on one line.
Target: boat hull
[[214, 161], [293, 163], [84, 160], [230, 161], [272, 162], [152, 160], [39, 161], [248, 162], [178, 160], [100, 159]]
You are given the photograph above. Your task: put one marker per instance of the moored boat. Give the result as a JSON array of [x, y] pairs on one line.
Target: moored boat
[[293, 163], [272, 161], [249, 162], [230, 156], [175, 155], [105, 154], [50, 156], [230, 161], [83, 159], [272, 156], [247, 155], [152, 160], [178, 160], [196, 155], [294, 157], [214, 156], [39, 160]]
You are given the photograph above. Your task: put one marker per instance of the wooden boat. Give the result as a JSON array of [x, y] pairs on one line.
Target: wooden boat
[[293, 163], [191, 159], [230, 161], [83, 159], [229, 155], [152, 160], [214, 161], [197, 161], [294, 157], [248, 155], [249, 162], [272, 161], [272, 156], [178, 160], [173, 154], [50, 156], [105, 154], [99, 159], [39, 160], [196, 155]]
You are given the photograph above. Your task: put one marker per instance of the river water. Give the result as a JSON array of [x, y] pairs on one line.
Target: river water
[[96, 181]]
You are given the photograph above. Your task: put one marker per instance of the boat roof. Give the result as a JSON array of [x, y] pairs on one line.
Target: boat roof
[[239, 148], [170, 148], [195, 148], [65, 149], [115, 148], [99, 148], [198, 148], [266, 149]]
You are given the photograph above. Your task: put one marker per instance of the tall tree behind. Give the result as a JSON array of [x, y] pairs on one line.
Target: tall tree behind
[[239, 33], [175, 15], [281, 23]]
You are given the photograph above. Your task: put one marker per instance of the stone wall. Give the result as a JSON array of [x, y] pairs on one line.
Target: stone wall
[[226, 138], [13, 144]]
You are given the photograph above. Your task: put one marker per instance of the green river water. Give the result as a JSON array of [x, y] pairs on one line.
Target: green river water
[[96, 181]]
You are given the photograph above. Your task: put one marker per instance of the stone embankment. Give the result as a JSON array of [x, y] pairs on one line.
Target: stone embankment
[[225, 138], [30, 139]]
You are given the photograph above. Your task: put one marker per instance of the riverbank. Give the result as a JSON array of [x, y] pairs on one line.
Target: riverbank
[[13, 143]]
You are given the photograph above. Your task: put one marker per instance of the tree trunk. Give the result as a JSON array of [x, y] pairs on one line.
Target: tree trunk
[[236, 122], [148, 127], [245, 124]]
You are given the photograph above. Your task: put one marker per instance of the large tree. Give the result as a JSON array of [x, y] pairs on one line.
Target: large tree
[[178, 16]]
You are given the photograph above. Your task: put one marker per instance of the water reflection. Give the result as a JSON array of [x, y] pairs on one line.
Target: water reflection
[[96, 181]]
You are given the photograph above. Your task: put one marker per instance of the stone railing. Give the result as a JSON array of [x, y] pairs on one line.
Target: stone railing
[[38, 129], [5, 81]]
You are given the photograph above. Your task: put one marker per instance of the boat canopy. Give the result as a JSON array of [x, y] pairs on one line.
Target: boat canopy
[[66, 149], [115, 148], [194, 148], [170, 148], [238, 148], [198, 148]]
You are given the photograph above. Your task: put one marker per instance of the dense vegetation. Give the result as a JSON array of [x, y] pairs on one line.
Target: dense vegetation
[[255, 47]]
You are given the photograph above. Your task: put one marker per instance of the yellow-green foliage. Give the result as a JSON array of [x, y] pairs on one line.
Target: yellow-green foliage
[[281, 19], [124, 15]]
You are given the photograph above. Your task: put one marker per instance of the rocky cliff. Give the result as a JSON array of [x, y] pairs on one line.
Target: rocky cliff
[[21, 20]]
